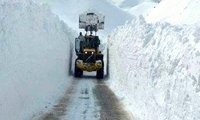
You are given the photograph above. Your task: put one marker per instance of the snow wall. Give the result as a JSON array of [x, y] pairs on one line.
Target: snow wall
[[155, 69], [34, 58]]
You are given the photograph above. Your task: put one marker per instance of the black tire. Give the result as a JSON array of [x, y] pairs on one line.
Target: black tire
[[77, 72], [100, 72]]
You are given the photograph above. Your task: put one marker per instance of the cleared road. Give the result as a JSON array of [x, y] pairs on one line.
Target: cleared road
[[87, 99]]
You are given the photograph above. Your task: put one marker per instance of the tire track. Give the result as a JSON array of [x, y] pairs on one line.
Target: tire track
[[87, 99], [85, 104], [111, 107], [60, 109]]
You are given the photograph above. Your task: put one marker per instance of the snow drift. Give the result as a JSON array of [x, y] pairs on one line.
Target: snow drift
[[155, 69], [34, 57]]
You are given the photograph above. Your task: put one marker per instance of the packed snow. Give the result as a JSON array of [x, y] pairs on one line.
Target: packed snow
[[34, 55]]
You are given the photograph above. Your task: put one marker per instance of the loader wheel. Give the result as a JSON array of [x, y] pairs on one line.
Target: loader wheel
[[77, 72], [100, 72]]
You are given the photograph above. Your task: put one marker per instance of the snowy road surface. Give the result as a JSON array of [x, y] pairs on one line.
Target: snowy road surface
[[87, 99]]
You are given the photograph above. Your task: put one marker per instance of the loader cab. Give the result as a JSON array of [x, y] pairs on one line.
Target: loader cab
[[92, 43], [89, 45]]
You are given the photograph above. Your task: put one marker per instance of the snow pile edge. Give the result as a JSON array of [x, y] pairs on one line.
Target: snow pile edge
[[155, 69], [34, 56]]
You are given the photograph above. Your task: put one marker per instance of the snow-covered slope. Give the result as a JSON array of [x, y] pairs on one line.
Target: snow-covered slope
[[142, 9], [116, 2], [176, 12], [137, 7], [155, 69], [131, 3], [34, 58]]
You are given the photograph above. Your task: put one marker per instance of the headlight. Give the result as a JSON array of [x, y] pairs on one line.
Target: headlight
[[92, 52], [85, 52]]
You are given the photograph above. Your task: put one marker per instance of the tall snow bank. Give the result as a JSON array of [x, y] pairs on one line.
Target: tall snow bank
[[34, 58], [155, 69]]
